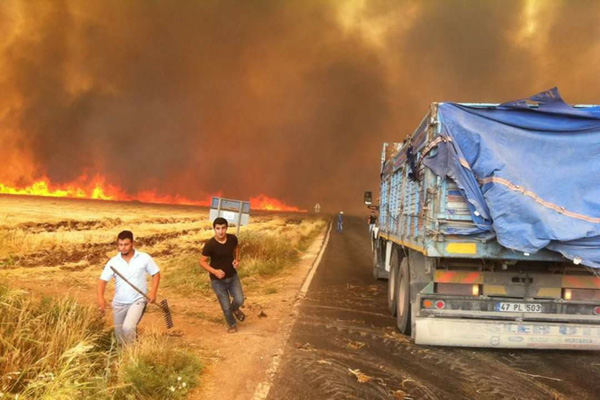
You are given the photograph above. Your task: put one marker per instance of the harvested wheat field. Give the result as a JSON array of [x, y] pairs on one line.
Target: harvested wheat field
[[56, 345]]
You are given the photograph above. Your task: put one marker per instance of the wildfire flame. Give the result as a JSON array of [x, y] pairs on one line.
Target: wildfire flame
[[262, 202], [96, 188]]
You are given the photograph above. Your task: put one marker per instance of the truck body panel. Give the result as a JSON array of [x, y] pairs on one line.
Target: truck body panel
[[471, 277]]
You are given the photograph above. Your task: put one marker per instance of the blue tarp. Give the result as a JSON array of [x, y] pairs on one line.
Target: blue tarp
[[530, 175]]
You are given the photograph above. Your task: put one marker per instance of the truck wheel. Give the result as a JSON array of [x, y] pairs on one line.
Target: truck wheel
[[393, 282], [403, 321]]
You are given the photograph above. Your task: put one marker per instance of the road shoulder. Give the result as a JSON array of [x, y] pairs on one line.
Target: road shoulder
[[243, 364]]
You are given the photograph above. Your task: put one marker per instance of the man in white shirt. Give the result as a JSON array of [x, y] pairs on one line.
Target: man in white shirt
[[128, 304]]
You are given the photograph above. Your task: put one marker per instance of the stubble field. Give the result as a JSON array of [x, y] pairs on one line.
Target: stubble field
[[56, 248]]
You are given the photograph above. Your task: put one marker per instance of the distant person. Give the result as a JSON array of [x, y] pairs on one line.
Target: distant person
[[340, 221], [224, 252], [128, 304], [372, 220]]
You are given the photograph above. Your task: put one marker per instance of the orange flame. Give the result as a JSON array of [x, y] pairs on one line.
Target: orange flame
[[262, 202], [97, 189]]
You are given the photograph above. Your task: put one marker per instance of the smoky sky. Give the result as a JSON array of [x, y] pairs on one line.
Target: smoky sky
[[291, 99]]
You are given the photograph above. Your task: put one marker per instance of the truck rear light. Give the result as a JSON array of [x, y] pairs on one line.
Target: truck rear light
[[581, 294], [428, 304], [440, 304], [459, 289], [597, 310]]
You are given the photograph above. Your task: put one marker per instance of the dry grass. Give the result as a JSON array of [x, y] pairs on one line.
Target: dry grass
[[58, 349], [49, 347], [157, 368], [61, 232], [264, 254]]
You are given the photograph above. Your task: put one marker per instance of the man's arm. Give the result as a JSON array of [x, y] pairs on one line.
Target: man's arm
[[100, 295], [236, 258], [154, 287], [216, 272]]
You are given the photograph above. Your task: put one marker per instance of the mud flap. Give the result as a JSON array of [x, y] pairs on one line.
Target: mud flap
[[506, 334], [389, 245]]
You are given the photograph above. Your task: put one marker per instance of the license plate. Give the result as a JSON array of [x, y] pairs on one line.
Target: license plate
[[519, 307]]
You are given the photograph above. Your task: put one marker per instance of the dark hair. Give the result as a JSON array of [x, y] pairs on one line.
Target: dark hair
[[220, 221], [125, 235]]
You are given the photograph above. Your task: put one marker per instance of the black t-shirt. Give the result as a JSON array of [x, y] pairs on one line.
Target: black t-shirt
[[221, 255], [372, 219]]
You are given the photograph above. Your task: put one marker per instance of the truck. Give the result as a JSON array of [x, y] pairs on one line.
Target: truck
[[488, 230]]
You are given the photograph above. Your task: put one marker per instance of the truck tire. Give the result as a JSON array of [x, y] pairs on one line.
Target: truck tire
[[393, 282], [403, 306]]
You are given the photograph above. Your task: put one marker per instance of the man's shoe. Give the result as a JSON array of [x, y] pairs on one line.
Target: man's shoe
[[239, 314], [232, 329]]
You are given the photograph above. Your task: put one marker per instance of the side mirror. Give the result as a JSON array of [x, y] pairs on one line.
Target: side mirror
[[368, 198]]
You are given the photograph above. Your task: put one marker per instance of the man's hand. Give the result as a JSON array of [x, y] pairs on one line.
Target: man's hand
[[218, 273], [152, 297], [102, 306], [236, 264], [100, 296]]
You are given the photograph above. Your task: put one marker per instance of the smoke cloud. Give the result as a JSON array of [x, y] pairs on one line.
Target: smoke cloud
[[290, 99]]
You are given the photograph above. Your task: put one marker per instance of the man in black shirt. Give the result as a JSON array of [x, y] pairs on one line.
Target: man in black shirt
[[224, 253], [372, 220]]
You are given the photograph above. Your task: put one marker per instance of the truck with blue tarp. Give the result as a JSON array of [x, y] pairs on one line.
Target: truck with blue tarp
[[489, 225]]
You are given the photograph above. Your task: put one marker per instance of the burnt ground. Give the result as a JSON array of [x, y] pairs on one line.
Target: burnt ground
[[343, 336]]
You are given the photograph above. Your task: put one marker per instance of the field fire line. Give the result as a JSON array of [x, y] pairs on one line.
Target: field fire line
[[52, 251], [97, 188]]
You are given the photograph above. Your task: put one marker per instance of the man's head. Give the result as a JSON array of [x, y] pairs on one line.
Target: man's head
[[220, 226], [125, 242]]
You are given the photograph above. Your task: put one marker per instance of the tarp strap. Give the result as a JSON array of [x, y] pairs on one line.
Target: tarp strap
[[430, 146], [539, 200], [434, 143]]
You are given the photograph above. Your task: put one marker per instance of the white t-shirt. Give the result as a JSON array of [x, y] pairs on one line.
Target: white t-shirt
[[135, 272]]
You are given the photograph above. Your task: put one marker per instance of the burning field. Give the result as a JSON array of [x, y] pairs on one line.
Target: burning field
[[52, 247]]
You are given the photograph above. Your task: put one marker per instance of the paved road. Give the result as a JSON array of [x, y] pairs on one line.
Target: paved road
[[342, 325]]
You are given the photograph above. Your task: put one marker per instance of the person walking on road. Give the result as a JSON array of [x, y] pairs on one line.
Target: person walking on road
[[128, 304], [372, 220], [340, 221], [224, 252]]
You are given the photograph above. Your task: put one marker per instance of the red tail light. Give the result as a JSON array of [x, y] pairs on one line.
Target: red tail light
[[581, 294]]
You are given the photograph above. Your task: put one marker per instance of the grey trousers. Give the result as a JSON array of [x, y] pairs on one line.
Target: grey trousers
[[126, 318]]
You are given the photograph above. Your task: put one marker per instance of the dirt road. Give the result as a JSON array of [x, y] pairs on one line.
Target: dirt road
[[343, 335]]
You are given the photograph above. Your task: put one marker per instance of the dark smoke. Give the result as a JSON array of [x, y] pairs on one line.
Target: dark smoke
[[273, 97]]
